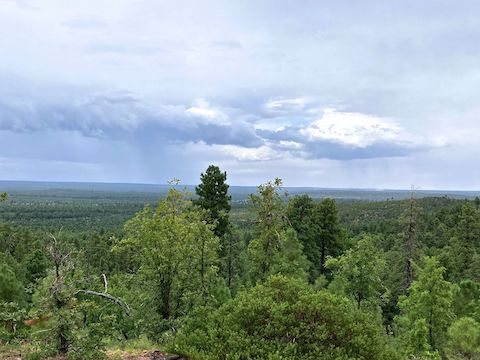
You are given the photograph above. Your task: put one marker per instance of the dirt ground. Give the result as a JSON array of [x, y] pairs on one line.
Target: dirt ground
[[146, 355], [150, 355]]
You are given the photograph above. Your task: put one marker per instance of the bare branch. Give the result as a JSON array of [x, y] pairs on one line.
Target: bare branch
[[105, 282], [111, 298]]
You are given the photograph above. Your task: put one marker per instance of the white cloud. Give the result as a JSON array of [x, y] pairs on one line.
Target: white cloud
[[268, 82], [293, 104], [207, 114], [287, 144], [353, 129], [262, 153]]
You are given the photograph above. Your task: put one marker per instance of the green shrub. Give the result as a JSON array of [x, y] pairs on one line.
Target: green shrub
[[464, 339], [283, 318]]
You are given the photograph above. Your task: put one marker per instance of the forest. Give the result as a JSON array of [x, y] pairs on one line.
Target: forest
[[282, 276]]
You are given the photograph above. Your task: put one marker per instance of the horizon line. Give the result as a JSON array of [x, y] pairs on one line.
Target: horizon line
[[231, 185]]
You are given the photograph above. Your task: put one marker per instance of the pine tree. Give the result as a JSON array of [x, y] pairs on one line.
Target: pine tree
[[410, 240], [270, 215], [465, 243], [300, 216], [318, 230], [467, 299], [464, 339], [232, 247], [213, 196], [290, 259], [11, 289], [427, 311], [327, 231]]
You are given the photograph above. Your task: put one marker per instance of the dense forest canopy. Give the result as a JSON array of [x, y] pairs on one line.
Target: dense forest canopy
[[277, 276]]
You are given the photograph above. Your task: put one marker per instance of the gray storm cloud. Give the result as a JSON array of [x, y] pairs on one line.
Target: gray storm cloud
[[125, 116], [327, 89]]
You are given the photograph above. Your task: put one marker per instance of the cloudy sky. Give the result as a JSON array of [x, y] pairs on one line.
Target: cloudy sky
[[376, 94]]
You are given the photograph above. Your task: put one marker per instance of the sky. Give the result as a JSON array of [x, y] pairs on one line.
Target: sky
[[342, 94]]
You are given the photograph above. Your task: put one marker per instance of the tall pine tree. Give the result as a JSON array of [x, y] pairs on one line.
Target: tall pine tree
[[213, 196], [318, 229], [427, 311]]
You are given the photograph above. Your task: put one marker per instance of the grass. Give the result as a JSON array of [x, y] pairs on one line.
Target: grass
[[130, 348]]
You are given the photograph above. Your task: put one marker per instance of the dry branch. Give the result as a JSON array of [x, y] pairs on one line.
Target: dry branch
[[109, 297]]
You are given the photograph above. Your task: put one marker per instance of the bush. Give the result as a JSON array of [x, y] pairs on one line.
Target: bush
[[464, 339], [283, 318]]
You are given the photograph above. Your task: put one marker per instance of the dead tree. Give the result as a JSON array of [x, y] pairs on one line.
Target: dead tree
[[410, 238], [105, 295], [60, 262], [61, 298]]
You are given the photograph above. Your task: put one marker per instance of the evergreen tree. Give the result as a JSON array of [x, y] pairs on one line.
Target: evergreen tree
[[11, 316], [37, 264], [270, 219], [213, 196], [232, 247], [467, 300], [11, 289], [290, 260], [465, 243], [54, 296], [318, 230], [178, 256], [410, 241], [427, 311], [464, 339], [327, 232], [359, 272], [405, 250], [473, 270], [300, 216], [284, 318]]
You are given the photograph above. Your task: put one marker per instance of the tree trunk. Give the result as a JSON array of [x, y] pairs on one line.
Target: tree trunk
[[410, 241], [322, 257], [202, 272], [229, 266], [430, 331], [165, 287], [62, 340]]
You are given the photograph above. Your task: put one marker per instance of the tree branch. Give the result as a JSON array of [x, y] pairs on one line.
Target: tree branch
[[110, 298], [105, 282]]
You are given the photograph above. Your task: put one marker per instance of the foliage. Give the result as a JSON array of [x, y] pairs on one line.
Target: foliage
[[244, 292], [284, 319], [290, 259], [328, 230], [464, 339], [232, 248], [467, 300], [464, 243], [11, 289], [427, 310], [299, 212], [213, 196], [318, 229], [178, 257], [37, 264], [11, 317], [270, 214], [359, 271]]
